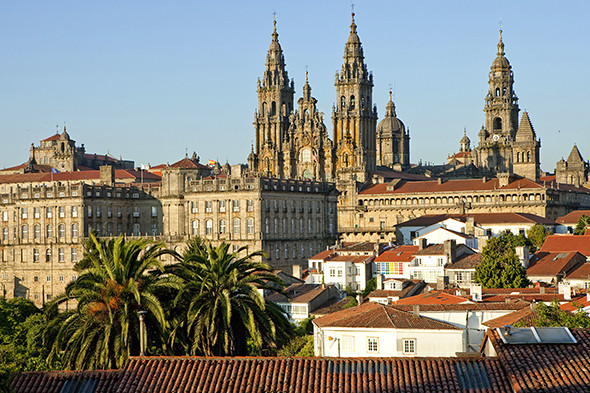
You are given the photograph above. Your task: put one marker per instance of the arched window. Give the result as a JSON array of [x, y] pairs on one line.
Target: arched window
[[284, 225], [48, 255], [518, 157], [25, 232], [273, 108], [195, 227], [342, 102], [497, 123], [61, 230], [222, 226], [362, 102], [74, 231], [236, 226], [503, 91], [63, 147], [37, 231], [497, 92], [352, 102], [301, 225], [306, 155], [250, 226], [49, 231], [263, 109], [528, 156], [208, 227]]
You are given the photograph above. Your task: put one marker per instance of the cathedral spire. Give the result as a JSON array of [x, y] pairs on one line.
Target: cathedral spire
[[306, 89], [390, 107], [501, 45]]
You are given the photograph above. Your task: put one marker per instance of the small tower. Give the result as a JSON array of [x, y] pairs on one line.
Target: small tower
[[353, 117], [465, 143], [275, 103], [525, 151], [574, 171], [393, 141]]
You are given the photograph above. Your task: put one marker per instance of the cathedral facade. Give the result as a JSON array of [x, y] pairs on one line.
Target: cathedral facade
[[294, 143]]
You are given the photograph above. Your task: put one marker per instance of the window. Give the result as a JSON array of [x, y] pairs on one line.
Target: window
[[74, 211], [301, 225], [25, 232], [286, 252], [37, 231], [208, 227], [221, 226], [60, 255], [222, 206], [195, 227], [48, 255], [97, 211], [277, 253], [266, 225], [36, 213], [5, 216], [24, 213], [250, 225], [62, 211], [409, 346], [309, 230], [348, 343], [154, 211], [61, 230], [235, 205], [207, 206], [74, 231], [284, 221], [136, 211], [236, 226], [89, 211], [5, 234], [306, 155], [136, 229], [395, 268], [372, 344], [49, 231], [35, 255], [292, 225], [194, 207], [249, 205], [340, 272], [332, 272], [439, 261], [119, 212], [276, 226], [74, 257]]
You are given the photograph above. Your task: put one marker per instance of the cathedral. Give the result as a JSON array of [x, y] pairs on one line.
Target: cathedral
[[293, 142]]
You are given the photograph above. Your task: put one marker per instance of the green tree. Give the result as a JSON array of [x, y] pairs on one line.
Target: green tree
[[221, 303], [103, 330], [583, 222], [500, 267], [537, 235], [553, 315]]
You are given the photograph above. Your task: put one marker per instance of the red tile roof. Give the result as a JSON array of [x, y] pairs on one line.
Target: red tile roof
[[545, 367], [128, 174], [52, 138], [318, 375], [554, 263], [398, 254], [100, 157], [572, 218], [299, 293], [379, 316], [523, 316], [479, 218], [466, 262], [580, 273], [352, 258], [326, 254], [67, 381], [188, 163], [434, 297], [479, 306], [565, 243], [574, 305]]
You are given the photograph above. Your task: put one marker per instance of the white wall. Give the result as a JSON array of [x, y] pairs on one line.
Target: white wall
[[353, 342]]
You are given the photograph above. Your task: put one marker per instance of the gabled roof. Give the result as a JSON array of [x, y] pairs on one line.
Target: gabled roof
[[545, 367], [352, 258], [187, 163], [566, 243], [380, 316], [525, 316], [104, 381], [582, 272], [552, 264], [434, 297], [466, 262], [398, 254], [55, 137], [479, 218], [573, 218], [575, 157], [326, 254]]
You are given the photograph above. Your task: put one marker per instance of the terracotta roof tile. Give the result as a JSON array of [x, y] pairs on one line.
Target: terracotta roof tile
[[326, 254], [188, 163], [67, 381], [398, 254], [525, 316], [375, 315], [299, 293], [566, 243], [466, 262], [434, 297], [54, 137], [479, 219], [580, 273], [572, 218], [479, 306], [554, 263]]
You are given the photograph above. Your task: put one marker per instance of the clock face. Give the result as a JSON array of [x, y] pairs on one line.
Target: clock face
[[496, 137]]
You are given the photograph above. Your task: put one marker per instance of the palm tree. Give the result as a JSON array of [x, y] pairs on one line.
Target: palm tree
[[102, 331], [222, 309]]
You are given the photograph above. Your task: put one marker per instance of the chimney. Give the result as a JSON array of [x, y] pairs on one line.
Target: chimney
[[470, 226], [107, 175], [416, 312], [476, 295], [523, 255], [442, 282], [422, 243], [565, 290], [450, 249], [359, 299], [297, 271], [142, 333], [379, 280], [377, 248]]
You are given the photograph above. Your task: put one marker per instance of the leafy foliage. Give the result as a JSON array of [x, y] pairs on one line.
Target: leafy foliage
[[370, 287], [103, 330], [500, 267], [221, 308], [583, 222], [537, 235], [553, 315]]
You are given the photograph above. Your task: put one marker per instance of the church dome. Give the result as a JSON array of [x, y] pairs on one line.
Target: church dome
[[500, 62], [465, 140], [390, 123]]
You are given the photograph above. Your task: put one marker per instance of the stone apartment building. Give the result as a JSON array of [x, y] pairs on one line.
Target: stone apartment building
[[290, 220], [44, 227]]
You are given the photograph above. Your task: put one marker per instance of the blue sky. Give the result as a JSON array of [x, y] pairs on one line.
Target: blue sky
[[148, 80]]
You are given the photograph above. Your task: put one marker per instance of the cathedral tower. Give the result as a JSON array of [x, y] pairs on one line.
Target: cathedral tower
[[501, 116], [354, 119], [275, 103], [393, 141], [525, 152]]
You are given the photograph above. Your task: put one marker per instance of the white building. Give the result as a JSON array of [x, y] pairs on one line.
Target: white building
[[377, 330], [442, 234], [429, 261]]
